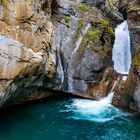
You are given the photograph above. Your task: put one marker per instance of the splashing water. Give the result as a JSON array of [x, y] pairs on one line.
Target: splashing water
[[121, 49], [60, 68], [98, 111]]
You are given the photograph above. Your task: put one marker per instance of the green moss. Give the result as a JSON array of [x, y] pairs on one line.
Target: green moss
[[80, 24], [90, 39], [93, 33], [79, 29], [81, 51], [138, 47], [67, 19], [83, 7], [92, 47], [136, 59], [105, 24]]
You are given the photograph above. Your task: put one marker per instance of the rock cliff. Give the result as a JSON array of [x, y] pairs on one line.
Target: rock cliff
[[128, 93], [27, 54], [53, 45]]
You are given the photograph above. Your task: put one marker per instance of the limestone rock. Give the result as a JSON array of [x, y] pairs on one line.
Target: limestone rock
[[109, 7], [85, 37], [27, 53]]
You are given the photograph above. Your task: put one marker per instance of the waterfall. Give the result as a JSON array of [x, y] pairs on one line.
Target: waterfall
[[60, 67], [98, 111], [109, 98], [121, 49]]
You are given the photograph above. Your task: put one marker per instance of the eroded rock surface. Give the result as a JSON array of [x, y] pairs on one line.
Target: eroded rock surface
[[85, 37], [27, 54], [66, 46]]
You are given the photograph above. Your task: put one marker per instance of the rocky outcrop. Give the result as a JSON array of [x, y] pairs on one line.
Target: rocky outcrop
[[111, 8], [85, 38], [134, 27], [27, 54], [128, 94], [62, 45]]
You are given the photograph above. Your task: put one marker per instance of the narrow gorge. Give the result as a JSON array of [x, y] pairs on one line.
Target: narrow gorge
[[69, 69]]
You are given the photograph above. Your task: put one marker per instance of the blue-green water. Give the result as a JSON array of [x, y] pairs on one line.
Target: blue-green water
[[68, 119]]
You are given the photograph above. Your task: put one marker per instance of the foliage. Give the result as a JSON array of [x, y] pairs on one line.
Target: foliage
[[83, 7], [105, 24], [67, 19], [136, 59], [93, 33], [79, 29]]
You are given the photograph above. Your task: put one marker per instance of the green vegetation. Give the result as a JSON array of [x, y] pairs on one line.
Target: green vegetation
[[105, 24], [84, 8], [98, 36], [94, 33], [138, 47], [81, 51], [79, 29], [91, 38], [67, 19], [136, 59]]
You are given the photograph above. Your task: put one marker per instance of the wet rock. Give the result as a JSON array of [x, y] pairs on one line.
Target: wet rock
[[134, 25], [74, 56], [128, 93]]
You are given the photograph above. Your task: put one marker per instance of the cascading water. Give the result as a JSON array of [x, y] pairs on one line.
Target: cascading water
[[60, 67], [121, 49], [101, 111], [98, 111]]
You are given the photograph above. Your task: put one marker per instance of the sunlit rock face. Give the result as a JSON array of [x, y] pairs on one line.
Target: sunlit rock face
[[59, 45], [15, 58], [27, 53]]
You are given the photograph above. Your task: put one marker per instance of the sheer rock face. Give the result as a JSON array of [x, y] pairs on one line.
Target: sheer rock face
[[85, 38], [26, 49], [61, 45], [35, 55], [109, 7], [134, 25]]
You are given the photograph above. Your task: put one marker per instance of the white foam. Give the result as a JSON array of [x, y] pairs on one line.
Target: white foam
[[121, 49], [98, 111]]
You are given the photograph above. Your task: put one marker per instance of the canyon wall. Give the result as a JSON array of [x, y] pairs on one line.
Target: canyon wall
[[128, 94], [27, 53], [65, 45]]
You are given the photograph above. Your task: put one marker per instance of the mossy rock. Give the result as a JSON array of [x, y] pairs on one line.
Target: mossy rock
[[67, 19]]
